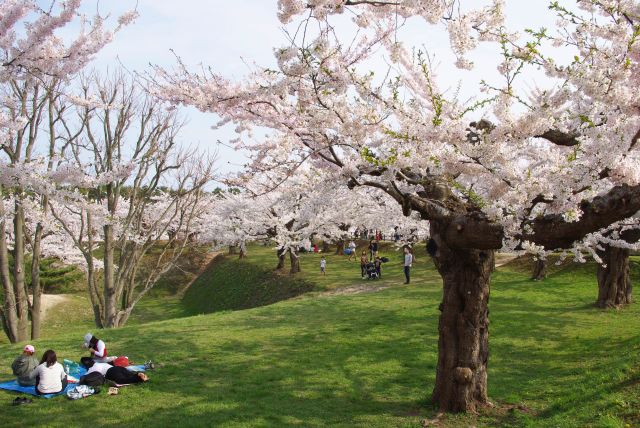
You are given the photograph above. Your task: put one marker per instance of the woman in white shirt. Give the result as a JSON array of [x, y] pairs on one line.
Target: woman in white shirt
[[50, 375]]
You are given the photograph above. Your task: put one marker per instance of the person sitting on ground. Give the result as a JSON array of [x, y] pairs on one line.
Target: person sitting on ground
[[97, 348], [363, 264], [117, 374], [24, 365], [50, 376]]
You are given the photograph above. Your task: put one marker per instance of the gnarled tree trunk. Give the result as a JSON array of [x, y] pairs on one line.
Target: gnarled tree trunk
[[539, 270], [614, 282], [295, 261], [325, 247], [281, 255], [463, 345]]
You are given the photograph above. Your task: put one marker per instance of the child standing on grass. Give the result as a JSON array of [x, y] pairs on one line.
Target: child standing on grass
[[323, 265]]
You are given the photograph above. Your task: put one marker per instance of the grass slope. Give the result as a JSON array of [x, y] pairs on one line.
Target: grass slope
[[231, 284], [364, 360]]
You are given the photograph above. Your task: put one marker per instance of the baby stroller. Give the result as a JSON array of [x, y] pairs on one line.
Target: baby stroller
[[370, 271]]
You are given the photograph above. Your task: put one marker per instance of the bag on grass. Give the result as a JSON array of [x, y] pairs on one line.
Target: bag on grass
[[80, 391], [71, 367], [121, 362], [92, 379]]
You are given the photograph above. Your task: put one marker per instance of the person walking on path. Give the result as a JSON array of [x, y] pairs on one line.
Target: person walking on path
[[352, 247], [363, 264], [408, 261], [373, 249]]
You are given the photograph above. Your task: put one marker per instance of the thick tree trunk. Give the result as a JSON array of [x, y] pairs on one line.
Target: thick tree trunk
[[233, 249], [97, 302], [463, 345], [295, 261], [614, 282], [539, 270], [22, 302], [110, 298], [9, 317], [281, 253], [36, 290], [340, 248], [325, 247]]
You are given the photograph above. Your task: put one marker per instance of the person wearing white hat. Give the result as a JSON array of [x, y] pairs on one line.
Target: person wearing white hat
[[97, 348], [23, 366]]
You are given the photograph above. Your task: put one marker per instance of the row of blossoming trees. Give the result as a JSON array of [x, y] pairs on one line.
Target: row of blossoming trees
[[92, 173], [89, 164], [521, 166], [518, 167]]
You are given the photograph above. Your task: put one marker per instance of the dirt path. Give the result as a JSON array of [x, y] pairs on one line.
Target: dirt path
[[203, 266], [504, 258], [49, 301], [501, 259], [355, 289]]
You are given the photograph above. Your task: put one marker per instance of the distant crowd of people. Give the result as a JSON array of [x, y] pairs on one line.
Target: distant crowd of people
[[370, 260]]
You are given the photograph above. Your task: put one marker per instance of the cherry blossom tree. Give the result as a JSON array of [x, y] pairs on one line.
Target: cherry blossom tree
[[147, 189], [35, 64], [518, 166]]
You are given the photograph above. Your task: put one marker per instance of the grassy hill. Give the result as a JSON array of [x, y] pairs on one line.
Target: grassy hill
[[365, 359]]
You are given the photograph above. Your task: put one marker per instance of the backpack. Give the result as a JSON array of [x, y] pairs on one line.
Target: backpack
[[81, 391], [121, 362], [92, 379]]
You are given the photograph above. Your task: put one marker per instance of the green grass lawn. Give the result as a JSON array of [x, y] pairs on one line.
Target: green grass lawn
[[363, 360]]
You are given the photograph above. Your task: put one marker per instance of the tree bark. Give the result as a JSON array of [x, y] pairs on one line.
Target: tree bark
[[281, 253], [539, 270], [614, 281], [110, 298], [243, 252], [340, 248], [233, 249], [463, 345], [9, 317], [325, 247], [22, 302], [295, 261], [36, 290]]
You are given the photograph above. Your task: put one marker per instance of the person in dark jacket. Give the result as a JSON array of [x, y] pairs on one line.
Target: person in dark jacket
[[116, 374], [23, 366]]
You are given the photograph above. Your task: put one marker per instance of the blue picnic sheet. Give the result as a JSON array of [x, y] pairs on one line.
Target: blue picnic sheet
[[13, 385]]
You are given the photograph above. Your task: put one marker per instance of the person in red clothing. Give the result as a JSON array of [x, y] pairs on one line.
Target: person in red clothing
[[97, 348]]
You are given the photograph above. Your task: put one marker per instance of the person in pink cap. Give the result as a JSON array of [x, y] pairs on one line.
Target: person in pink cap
[[23, 366]]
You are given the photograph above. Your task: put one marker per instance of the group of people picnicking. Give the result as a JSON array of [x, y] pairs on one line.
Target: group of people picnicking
[[48, 376], [371, 261]]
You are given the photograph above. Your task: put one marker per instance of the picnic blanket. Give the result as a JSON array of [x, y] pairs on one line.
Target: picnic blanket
[[13, 385]]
